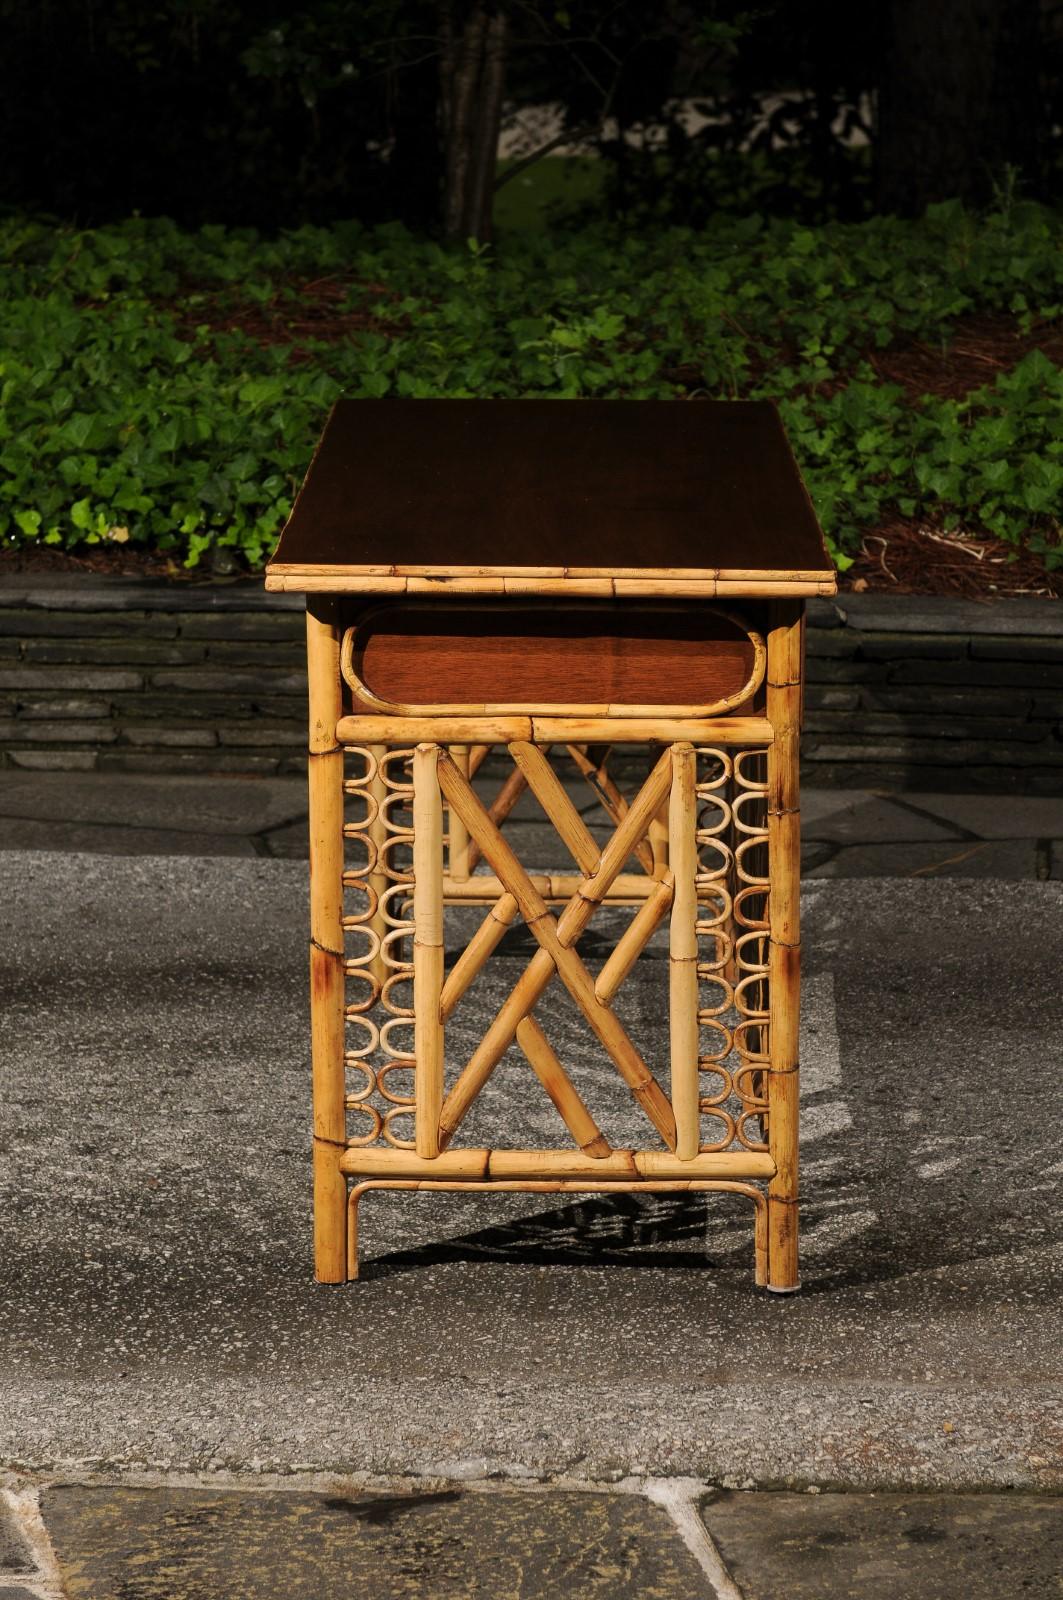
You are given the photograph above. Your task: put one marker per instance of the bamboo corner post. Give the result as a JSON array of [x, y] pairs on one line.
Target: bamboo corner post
[[593, 609]]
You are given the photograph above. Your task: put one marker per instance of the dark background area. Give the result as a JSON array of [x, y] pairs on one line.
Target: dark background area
[[228, 111]]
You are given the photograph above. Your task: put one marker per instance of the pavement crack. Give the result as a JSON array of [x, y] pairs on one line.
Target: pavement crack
[[679, 1498], [958, 830]]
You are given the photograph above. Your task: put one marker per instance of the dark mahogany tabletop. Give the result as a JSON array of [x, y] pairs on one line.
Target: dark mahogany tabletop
[[574, 487]]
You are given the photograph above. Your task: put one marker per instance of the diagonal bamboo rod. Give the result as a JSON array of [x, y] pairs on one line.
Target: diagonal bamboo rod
[[500, 808], [634, 939], [427, 948], [562, 1091], [549, 791], [477, 952], [542, 966], [457, 833], [683, 952], [609, 795]]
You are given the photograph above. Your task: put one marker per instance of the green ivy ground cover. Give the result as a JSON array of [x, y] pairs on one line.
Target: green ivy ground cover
[[126, 413]]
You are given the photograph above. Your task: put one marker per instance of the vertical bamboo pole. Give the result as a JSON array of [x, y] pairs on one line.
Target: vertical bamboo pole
[[683, 952], [458, 848], [378, 878], [427, 946], [784, 958], [325, 772]]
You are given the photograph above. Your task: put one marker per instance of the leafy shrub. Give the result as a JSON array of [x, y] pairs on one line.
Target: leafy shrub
[[151, 388]]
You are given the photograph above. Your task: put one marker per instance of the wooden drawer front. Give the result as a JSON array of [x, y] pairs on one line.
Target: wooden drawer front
[[599, 660]]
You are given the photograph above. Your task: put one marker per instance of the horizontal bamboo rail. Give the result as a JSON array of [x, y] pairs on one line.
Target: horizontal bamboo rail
[[554, 730], [626, 887], [372, 1160], [701, 584]]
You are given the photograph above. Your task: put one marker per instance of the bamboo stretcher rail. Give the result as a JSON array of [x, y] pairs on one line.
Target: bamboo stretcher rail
[[427, 947], [683, 952], [626, 887], [567, 1186], [554, 730], [555, 954], [380, 1161]]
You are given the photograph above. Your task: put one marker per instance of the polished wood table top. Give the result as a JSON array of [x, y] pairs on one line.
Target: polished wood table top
[[608, 497]]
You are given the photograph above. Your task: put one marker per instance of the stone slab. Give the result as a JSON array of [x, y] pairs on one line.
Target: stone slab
[[954, 858], [889, 1547], [850, 816], [932, 614], [172, 804], [15, 1557], [156, 1276], [447, 1544], [995, 817], [31, 833]]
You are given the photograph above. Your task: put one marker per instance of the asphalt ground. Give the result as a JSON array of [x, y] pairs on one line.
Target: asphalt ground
[[183, 1413]]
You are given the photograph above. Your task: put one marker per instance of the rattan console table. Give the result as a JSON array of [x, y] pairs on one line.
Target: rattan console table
[[530, 589]]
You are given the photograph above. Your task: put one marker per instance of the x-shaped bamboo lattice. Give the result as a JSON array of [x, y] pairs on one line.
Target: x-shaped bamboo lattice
[[437, 775]]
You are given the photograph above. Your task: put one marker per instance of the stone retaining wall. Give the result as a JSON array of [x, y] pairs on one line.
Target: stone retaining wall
[[903, 693]]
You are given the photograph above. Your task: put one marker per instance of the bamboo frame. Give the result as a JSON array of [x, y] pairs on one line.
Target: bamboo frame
[[669, 829]]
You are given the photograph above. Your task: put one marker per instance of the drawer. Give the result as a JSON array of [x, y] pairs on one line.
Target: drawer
[[411, 658]]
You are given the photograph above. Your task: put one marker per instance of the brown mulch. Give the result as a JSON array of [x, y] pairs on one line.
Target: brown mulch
[[906, 558], [979, 349], [299, 310]]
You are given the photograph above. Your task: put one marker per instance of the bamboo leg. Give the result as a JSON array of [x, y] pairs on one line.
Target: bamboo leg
[[427, 947], [683, 952], [784, 957], [325, 768]]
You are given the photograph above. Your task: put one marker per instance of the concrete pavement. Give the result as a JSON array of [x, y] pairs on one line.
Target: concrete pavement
[[848, 833]]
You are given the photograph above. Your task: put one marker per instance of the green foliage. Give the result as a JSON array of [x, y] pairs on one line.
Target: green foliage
[[127, 411]]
